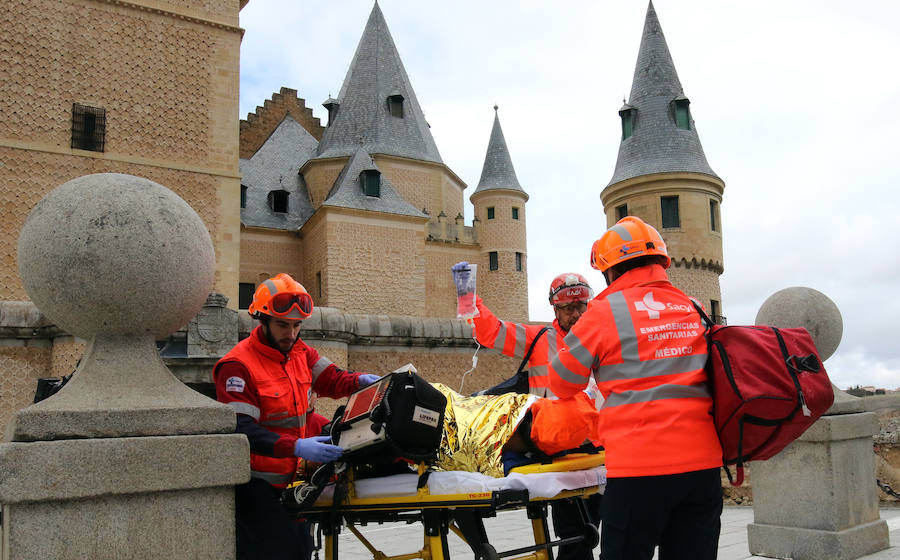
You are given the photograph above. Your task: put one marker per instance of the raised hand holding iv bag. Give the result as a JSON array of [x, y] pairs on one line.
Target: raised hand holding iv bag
[[464, 275]]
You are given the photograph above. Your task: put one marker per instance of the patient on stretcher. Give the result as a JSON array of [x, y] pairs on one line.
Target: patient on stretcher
[[485, 433]]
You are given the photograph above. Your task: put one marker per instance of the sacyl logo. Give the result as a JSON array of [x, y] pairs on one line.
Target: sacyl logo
[[651, 307]]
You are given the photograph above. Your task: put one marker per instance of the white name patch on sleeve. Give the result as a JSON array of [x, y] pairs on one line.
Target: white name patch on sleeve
[[235, 384]]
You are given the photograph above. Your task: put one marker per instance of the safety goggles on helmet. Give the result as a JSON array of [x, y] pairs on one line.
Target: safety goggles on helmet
[[281, 297], [284, 302]]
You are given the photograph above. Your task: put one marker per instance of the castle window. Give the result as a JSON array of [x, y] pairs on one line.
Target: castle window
[[370, 179], [714, 215], [490, 211], [88, 127], [243, 196], [319, 285], [493, 261], [621, 211], [627, 114], [515, 213], [682, 113], [278, 201], [245, 294], [670, 217], [395, 105], [518, 262]]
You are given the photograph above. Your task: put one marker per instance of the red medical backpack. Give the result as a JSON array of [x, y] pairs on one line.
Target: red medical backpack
[[769, 386]]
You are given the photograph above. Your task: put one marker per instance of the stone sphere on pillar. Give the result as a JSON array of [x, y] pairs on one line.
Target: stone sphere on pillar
[[807, 308], [115, 255]]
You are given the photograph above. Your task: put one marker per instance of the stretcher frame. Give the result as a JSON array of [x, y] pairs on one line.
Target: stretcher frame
[[462, 513]]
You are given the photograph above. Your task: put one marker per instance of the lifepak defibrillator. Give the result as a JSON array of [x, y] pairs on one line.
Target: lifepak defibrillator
[[399, 416]]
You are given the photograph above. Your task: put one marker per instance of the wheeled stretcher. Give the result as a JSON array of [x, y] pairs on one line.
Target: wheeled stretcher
[[457, 502]]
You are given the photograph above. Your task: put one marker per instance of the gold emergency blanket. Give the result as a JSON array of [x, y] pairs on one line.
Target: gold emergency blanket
[[476, 428]]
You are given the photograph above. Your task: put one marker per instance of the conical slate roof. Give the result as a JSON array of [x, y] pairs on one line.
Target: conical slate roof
[[657, 145], [498, 171], [363, 115], [347, 191]]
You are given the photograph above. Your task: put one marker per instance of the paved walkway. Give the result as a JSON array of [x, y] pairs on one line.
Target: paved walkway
[[511, 529]]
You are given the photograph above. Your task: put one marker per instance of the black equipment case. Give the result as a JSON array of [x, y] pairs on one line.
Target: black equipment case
[[399, 416]]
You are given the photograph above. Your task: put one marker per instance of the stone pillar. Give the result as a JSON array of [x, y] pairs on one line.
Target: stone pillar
[[817, 499], [125, 461]]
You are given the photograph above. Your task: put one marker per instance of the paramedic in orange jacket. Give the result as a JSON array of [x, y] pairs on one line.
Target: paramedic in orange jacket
[[643, 342], [269, 379], [569, 295]]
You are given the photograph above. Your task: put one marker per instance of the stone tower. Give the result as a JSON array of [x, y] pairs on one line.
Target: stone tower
[[499, 203], [662, 175], [145, 87]]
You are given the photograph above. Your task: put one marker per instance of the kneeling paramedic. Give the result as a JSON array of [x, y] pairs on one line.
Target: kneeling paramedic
[[643, 342], [268, 379], [569, 296]]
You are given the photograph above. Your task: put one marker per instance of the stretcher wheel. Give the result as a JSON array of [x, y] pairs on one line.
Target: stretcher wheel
[[591, 536], [487, 552]]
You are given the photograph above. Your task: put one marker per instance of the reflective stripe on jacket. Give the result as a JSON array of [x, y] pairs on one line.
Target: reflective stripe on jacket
[[643, 342], [284, 386]]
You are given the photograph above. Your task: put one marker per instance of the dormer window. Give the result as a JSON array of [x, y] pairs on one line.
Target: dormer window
[[682, 113], [243, 196], [370, 179], [278, 201], [395, 105], [627, 113]]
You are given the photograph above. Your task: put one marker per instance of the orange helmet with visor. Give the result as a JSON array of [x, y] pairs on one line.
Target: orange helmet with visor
[[281, 297], [630, 238]]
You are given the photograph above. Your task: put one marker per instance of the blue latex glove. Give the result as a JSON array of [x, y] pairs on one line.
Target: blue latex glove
[[368, 379], [317, 449], [461, 277]]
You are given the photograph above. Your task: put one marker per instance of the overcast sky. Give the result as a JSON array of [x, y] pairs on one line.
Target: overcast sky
[[796, 104]]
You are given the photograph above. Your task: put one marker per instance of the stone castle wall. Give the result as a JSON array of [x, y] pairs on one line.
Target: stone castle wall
[[265, 253], [699, 283], [169, 116]]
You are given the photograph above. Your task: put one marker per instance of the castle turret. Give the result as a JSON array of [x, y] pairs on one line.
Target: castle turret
[[499, 203], [662, 175]]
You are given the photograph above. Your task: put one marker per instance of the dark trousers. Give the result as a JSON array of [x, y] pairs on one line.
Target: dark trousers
[[567, 522], [680, 513], [265, 530]]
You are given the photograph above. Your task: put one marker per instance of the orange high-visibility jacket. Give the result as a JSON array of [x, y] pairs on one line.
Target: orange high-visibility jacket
[[514, 339], [643, 342], [276, 391]]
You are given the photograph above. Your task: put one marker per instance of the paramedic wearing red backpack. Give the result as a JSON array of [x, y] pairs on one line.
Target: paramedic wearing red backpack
[[643, 342], [268, 379]]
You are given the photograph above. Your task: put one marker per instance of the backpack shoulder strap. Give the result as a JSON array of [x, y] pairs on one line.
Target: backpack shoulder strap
[[703, 315], [530, 350]]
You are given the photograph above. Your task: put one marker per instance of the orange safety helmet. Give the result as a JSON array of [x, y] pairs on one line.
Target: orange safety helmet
[[281, 297], [630, 238], [569, 287]]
